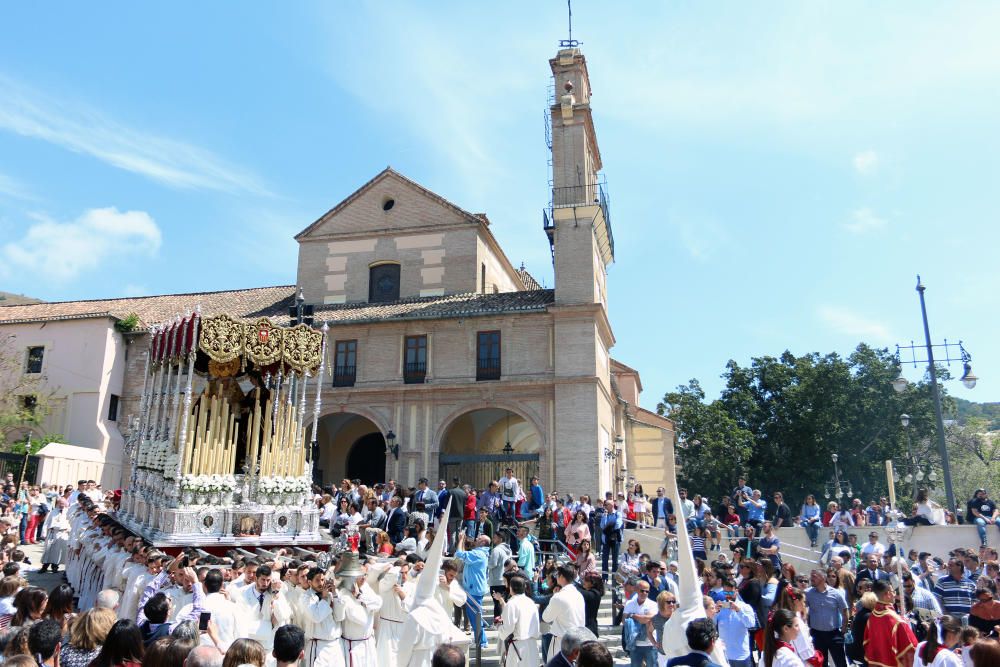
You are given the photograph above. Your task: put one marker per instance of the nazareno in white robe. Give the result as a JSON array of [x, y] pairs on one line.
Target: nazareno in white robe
[[427, 627], [520, 620], [56, 538]]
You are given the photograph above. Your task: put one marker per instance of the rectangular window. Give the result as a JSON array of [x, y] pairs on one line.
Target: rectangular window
[[415, 360], [113, 409], [488, 355], [345, 363], [35, 357], [29, 402]]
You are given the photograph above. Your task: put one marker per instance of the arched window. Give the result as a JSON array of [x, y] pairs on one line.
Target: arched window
[[383, 283]]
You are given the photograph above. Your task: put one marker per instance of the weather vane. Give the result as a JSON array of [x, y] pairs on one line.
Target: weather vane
[[569, 43]]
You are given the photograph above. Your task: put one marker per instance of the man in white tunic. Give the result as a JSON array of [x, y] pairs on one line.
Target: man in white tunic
[[428, 625], [324, 615], [57, 529], [519, 631], [449, 592], [128, 607], [361, 606], [388, 579], [565, 609], [263, 608]]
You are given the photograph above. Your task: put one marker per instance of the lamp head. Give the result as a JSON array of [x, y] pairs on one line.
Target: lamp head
[[835, 457], [900, 384], [969, 378], [904, 419]]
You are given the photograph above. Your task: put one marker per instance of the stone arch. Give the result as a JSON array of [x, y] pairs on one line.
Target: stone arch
[[473, 446], [525, 413], [340, 435]]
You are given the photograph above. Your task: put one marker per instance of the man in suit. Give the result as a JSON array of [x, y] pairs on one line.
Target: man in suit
[[569, 647], [612, 524], [662, 508], [428, 497], [701, 636], [396, 520], [871, 571]]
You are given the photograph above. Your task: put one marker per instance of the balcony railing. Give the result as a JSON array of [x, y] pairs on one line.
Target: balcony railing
[[344, 376], [487, 369], [590, 194], [414, 372]]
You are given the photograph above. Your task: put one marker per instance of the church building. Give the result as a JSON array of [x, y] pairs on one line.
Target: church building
[[444, 359]]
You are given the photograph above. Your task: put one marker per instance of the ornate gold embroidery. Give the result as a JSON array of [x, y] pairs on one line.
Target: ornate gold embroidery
[[302, 347], [221, 338], [264, 342]]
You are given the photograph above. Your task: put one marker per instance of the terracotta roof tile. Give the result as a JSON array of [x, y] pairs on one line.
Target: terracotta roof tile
[[437, 307], [256, 302], [273, 302], [528, 279]]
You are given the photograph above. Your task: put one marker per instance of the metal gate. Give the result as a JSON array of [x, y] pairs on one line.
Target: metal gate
[[478, 470], [12, 463]]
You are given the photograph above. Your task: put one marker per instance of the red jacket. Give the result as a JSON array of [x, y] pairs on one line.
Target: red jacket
[[469, 514]]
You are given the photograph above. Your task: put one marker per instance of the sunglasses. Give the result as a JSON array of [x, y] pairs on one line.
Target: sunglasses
[[671, 603]]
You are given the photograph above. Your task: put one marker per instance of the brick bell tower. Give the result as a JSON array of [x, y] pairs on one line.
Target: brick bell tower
[[579, 231]]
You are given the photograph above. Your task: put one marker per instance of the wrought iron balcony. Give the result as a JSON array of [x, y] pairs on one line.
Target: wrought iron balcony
[[414, 372], [344, 376], [591, 194], [488, 369]]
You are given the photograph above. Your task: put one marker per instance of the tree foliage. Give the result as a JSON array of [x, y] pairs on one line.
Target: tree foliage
[[780, 420]]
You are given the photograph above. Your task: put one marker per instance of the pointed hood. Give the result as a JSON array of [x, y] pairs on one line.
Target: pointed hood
[[428, 579], [689, 596]]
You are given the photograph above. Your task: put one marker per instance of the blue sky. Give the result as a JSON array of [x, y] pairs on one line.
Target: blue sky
[[779, 172]]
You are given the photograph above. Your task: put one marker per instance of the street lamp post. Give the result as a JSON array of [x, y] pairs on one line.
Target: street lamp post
[[968, 380], [835, 487]]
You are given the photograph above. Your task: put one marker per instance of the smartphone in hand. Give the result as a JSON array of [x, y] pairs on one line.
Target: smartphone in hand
[[203, 620]]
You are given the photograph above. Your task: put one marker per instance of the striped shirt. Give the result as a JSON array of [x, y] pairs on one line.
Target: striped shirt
[[956, 596]]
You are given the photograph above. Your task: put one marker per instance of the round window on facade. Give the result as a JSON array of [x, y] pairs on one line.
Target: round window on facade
[[388, 203]]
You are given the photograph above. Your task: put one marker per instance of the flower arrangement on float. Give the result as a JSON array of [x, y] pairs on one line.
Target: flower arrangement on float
[[208, 489], [284, 490]]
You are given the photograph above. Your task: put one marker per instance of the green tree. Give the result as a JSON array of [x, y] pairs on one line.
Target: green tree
[[794, 413], [710, 443]]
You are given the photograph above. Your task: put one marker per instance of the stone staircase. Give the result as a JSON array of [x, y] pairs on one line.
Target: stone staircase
[[610, 636]]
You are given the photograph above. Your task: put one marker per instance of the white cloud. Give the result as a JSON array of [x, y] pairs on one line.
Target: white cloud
[[62, 251], [82, 129], [845, 321], [436, 97], [866, 162], [864, 220], [12, 188]]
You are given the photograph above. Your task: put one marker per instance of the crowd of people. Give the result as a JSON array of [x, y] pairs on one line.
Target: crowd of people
[[533, 566]]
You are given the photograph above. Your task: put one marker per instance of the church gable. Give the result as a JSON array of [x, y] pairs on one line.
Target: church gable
[[388, 202]]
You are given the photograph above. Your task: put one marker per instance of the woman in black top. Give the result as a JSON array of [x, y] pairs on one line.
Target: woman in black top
[[592, 590]]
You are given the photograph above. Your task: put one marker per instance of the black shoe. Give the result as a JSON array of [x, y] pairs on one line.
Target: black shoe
[[45, 568]]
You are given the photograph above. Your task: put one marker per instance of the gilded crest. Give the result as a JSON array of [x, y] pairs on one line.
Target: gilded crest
[[221, 338], [303, 346], [263, 342]]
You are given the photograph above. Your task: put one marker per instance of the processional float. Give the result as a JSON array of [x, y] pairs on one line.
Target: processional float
[[219, 453]]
